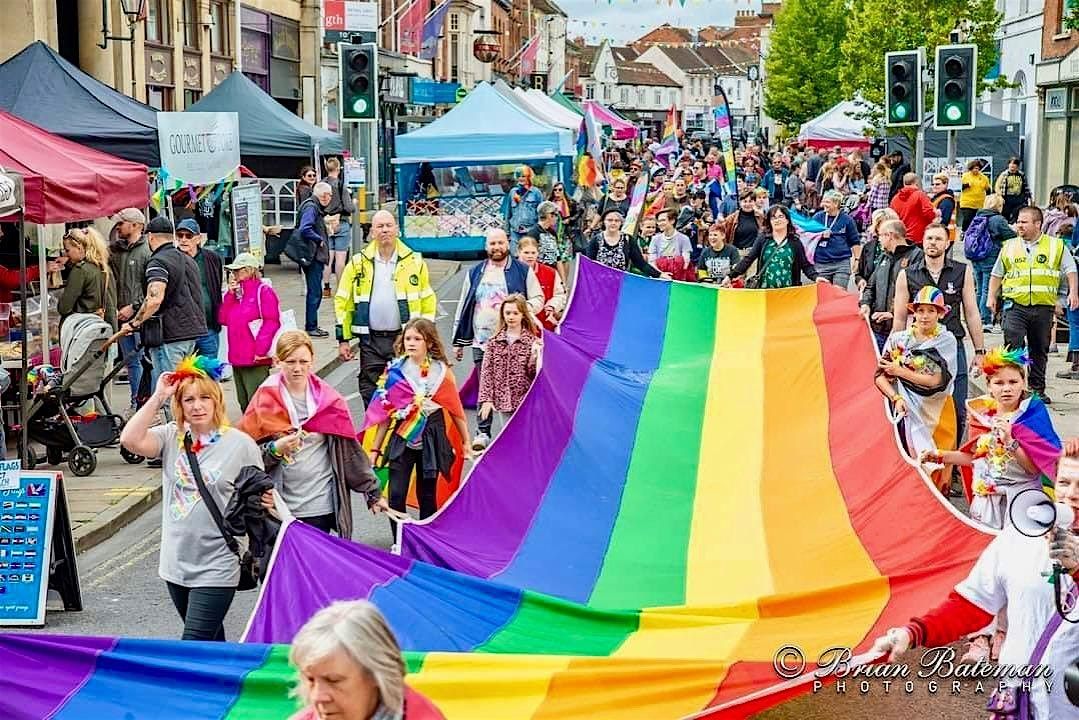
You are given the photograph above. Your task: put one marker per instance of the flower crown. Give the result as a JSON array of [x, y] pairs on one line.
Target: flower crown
[[200, 366], [1002, 357]]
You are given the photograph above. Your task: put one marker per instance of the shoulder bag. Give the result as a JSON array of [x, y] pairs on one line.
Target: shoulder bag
[[249, 572]]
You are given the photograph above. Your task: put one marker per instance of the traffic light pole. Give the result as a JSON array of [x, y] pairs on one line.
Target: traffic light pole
[[953, 147], [919, 135]]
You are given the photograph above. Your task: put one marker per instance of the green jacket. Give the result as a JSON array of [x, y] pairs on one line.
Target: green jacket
[[128, 267], [86, 292]]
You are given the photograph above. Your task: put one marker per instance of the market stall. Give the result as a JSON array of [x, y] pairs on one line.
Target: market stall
[[43, 88], [621, 128], [544, 107], [838, 125], [452, 175], [63, 182]]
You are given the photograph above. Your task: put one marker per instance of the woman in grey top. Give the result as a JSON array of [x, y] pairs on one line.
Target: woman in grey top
[[197, 566]]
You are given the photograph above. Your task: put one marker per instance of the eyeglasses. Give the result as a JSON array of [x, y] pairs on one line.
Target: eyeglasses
[[307, 175]]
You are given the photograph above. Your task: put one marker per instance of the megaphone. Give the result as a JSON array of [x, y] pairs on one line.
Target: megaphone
[[1071, 683], [1033, 513]]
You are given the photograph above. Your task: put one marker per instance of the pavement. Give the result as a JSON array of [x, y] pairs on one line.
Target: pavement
[[118, 493]]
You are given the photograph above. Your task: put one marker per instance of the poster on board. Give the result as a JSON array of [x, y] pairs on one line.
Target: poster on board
[[27, 510], [247, 233]]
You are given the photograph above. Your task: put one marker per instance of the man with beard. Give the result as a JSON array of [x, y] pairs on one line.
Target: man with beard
[[486, 285], [128, 256], [956, 280]]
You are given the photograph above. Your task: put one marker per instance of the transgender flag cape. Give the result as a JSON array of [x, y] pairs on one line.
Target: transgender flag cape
[[269, 414]]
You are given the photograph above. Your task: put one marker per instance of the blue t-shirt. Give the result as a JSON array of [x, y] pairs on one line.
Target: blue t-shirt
[[844, 236]]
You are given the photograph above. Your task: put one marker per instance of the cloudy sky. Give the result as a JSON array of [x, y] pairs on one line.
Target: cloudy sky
[[623, 20]]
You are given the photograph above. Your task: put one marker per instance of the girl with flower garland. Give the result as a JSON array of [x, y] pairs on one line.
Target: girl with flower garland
[[1001, 466], [511, 360], [417, 401], [308, 440], [915, 373], [200, 571]]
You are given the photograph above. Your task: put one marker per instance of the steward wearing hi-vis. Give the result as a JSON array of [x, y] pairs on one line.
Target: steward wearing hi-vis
[[381, 288], [1029, 274]]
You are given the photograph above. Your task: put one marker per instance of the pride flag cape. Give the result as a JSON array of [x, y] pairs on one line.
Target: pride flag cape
[[1032, 429], [267, 414], [65, 677], [697, 477], [395, 401]]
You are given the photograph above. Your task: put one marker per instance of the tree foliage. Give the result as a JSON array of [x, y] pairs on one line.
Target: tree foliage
[[800, 80], [879, 26]]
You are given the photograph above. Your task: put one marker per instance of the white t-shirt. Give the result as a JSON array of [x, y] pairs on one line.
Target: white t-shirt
[[1008, 575], [193, 553]]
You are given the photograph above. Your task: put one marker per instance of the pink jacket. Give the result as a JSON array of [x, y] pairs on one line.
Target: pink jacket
[[236, 316]]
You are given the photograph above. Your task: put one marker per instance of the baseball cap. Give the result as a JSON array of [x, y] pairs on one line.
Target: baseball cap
[[190, 225], [131, 215], [244, 260], [160, 225]]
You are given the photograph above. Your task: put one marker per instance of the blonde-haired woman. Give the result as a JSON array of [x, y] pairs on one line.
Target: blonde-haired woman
[[200, 570], [308, 439], [350, 667], [89, 287], [879, 184]]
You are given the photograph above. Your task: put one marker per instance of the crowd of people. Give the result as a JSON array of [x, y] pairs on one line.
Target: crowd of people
[[884, 239]]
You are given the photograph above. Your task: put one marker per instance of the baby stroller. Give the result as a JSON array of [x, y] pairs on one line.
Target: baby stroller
[[88, 363]]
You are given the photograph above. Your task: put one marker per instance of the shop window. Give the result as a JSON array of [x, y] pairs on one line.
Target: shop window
[[192, 25], [157, 22], [191, 97], [285, 58], [255, 46], [159, 98], [219, 29], [455, 52]]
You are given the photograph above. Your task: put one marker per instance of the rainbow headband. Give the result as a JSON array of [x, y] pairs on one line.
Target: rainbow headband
[[200, 366], [1002, 357]]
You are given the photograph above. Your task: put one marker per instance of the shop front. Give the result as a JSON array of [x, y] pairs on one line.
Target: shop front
[[1058, 94]]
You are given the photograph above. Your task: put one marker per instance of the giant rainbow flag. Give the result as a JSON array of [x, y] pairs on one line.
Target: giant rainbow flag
[[697, 478]]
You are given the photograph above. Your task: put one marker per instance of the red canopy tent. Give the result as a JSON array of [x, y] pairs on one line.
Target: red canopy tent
[[65, 181]]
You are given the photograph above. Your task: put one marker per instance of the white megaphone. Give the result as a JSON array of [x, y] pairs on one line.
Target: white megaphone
[[1033, 514]]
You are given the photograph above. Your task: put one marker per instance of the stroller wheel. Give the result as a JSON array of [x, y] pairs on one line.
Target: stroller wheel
[[130, 457], [82, 460], [54, 455]]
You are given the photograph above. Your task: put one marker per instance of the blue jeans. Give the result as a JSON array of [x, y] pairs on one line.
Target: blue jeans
[[313, 275], [167, 357], [129, 346], [982, 269], [959, 392], [1073, 329], [208, 344]]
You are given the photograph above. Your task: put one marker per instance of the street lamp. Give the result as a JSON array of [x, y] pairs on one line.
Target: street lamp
[[133, 10]]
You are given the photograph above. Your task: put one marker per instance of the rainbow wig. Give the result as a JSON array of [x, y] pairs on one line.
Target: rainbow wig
[[1002, 357], [200, 366], [524, 172]]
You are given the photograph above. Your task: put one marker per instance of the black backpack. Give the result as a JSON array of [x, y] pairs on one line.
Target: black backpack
[[298, 249]]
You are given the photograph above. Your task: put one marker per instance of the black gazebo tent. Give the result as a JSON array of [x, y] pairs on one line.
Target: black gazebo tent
[[43, 88]]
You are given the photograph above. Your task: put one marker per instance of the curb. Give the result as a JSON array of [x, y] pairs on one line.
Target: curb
[[133, 506]]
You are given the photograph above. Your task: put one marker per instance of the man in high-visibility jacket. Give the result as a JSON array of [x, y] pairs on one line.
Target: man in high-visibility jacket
[[1028, 272], [381, 288]]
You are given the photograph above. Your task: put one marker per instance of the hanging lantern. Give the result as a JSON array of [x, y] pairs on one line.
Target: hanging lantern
[[487, 46]]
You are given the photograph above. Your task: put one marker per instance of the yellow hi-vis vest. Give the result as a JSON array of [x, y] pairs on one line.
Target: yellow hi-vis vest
[[1035, 278]]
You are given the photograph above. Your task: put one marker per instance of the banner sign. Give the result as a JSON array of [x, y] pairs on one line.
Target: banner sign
[[429, 92], [199, 148], [344, 17], [27, 508], [722, 113], [247, 219], [11, 194]]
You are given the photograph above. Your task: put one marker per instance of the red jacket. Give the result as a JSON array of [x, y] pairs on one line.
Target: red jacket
[[915, 210], [417, 707]]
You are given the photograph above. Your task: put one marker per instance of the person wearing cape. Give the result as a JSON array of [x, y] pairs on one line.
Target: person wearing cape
[[417, 407], [309, 440], [921, 361], [1012, 447]]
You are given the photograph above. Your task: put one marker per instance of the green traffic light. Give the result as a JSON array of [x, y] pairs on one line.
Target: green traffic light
[[900, 111], [953, 112], [359, 106]]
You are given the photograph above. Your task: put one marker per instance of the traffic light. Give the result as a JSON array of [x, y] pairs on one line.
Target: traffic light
[[359, 81], [903, 88], [956, 77]]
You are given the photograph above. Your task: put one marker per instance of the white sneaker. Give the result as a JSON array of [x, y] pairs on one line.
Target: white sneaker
[[481, 441]]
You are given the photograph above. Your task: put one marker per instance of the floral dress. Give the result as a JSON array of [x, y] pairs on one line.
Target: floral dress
[[776, 263]]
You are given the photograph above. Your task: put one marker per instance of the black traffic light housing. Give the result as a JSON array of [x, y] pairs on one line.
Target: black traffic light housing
[[956, 69], [903, 88], [358, 93]]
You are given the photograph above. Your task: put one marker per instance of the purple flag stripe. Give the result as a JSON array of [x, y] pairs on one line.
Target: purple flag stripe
[[41, 672]]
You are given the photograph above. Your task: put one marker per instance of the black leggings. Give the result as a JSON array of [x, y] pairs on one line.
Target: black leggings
[[400, 477], [202, 609], [326, 523]]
